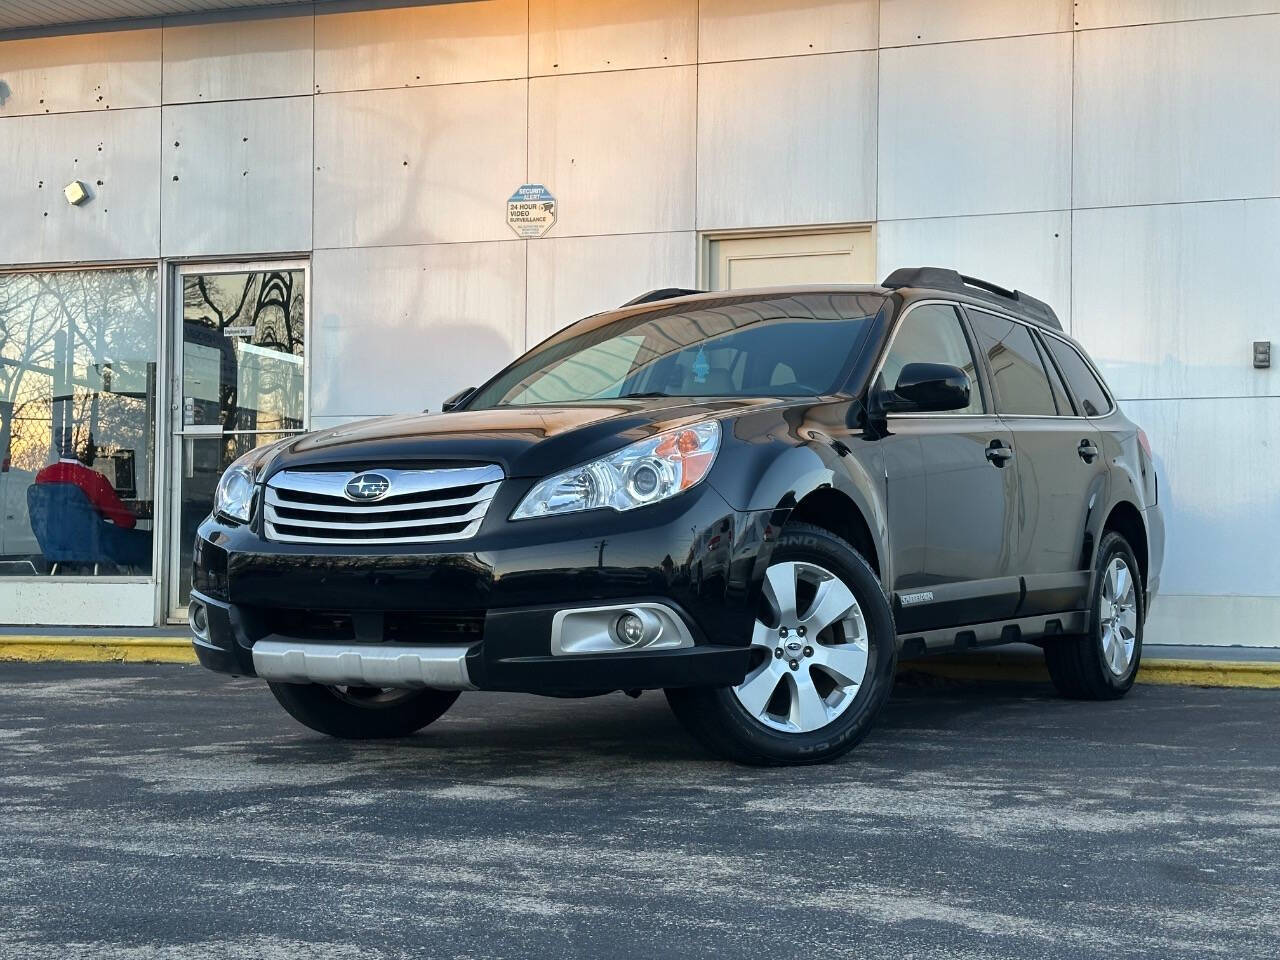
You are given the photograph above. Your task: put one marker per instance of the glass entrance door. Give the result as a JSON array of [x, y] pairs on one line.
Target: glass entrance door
[[240, 382]]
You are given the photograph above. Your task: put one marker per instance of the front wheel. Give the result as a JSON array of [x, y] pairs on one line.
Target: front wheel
[[1102, 664], [822, 663], [362, 713]]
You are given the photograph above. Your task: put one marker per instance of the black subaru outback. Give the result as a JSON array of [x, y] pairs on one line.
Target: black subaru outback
[[751, 500]]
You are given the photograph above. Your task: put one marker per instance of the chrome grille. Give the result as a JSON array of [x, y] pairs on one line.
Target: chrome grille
[[419, 506]]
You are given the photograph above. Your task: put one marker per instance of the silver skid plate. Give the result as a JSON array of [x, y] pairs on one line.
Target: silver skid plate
[[371, 665]]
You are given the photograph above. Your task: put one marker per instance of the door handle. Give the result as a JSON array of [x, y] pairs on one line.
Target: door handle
[[998, 453], [1088, 451]]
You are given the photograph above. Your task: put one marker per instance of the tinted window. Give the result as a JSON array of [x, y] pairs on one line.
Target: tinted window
[[932, 333], [786, 346], [1060, 397], [1021, 384], [1084, 383]]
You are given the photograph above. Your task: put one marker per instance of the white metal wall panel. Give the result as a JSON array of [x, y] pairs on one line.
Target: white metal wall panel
[[237, 177], [1178, 112], [1091, 14], [977, 127], [906, 22], [751, 29], [229, 60], [574, 277], [573, 36], [1149, 311], [421, 165], [1219, 466], [115, 154], [616, 149], [1224, 621], [789, 141], [421, 45], [92, 71], [1024, 251], [398, 329]]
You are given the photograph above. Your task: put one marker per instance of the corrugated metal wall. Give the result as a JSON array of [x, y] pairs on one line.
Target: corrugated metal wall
[[1116, 157]]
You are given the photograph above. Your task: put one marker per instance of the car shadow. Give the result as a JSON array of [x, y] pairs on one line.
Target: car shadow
[[499, 733]]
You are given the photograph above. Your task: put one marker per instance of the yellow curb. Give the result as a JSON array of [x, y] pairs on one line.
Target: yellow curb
[[1211, 673], [1181, 673], [94, 649]]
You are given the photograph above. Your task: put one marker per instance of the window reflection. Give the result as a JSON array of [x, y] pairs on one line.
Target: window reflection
[[243, 379], [242, 350], [77, 408], [738, 346]]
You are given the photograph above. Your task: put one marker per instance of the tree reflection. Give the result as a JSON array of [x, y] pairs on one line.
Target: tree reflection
[[77, 354], [250, 327], [77, 378]]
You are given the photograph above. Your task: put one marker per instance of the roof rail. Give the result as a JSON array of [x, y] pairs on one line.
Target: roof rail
[[940, 278], [665, 293]]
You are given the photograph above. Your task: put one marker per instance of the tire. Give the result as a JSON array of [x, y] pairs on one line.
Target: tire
[[362, 713], [748, 723], [1102, 664]]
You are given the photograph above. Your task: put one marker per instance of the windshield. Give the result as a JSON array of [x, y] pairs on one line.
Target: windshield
[[786, 346]]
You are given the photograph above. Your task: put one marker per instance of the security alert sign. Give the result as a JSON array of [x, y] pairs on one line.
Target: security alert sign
[[531, 211]]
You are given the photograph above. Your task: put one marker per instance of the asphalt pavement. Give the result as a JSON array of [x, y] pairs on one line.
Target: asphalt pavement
[[162, 811]]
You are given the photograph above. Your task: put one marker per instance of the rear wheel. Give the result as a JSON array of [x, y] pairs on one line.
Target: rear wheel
[[822, 666], [362, 713], [1102, 664]]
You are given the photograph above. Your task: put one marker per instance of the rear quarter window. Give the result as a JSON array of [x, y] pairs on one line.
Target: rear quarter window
[[1089, 391]]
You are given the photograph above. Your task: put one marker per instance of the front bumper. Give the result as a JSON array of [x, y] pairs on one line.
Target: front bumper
[[482, 617]]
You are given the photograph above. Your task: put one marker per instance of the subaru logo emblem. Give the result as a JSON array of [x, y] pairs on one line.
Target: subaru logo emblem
[[367, 486]]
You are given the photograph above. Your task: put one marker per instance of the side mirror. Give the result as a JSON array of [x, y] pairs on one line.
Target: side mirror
[[929, 388], [456, 399]]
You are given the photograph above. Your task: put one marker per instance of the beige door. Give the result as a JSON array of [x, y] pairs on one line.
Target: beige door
[[844, 256]]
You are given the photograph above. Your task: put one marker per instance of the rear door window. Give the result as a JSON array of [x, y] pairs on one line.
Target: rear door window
[[1021, 382], [1089, 392]]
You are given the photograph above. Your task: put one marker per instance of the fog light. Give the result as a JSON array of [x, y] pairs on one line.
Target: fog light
[[630, 630], [198, 618]]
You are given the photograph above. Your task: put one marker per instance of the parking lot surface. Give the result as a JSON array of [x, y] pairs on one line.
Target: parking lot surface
[[161, 811]]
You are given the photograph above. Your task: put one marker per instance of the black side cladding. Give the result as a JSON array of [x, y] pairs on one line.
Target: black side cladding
[[941, 278]]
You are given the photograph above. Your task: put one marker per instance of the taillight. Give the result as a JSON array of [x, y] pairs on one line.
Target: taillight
[[1144, 443]]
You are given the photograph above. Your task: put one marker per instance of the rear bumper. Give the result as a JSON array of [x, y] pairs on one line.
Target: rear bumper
[[1155, 553], [695, 559]]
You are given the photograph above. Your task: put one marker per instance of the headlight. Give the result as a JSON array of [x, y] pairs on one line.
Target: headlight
[[234, 496], [635, 476]]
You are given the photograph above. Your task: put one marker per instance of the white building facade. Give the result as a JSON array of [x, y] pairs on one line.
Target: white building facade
[[296, 216]]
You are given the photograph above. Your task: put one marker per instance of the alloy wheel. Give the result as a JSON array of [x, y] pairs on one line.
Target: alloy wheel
[[811, 650], [1118, 616]]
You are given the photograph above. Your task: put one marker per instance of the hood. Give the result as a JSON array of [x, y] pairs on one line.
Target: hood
[[524, 441]]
